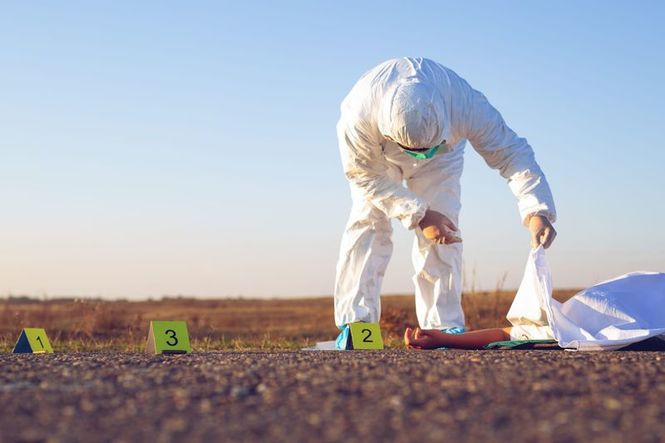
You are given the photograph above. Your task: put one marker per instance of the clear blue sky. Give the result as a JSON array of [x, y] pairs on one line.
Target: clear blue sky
[[152, 148]]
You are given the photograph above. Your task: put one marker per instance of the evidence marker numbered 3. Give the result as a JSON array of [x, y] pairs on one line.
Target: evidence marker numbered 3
[[168, 337]]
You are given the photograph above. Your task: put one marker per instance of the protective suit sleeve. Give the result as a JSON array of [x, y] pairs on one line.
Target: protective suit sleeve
[[365, 167], [503, 150]]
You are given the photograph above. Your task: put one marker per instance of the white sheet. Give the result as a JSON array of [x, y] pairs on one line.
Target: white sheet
[[606, 316], [322, 346]]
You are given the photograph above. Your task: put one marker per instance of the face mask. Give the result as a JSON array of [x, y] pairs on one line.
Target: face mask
[[423, 155]]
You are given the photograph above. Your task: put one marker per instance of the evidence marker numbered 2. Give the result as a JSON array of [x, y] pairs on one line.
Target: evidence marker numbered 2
[[168, 337], [365, 336]]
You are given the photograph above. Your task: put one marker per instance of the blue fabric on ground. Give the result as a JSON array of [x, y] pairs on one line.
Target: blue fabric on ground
[[453, 330], [342, 338]]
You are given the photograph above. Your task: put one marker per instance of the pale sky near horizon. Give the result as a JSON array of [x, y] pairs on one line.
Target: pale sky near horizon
[[164, 148]]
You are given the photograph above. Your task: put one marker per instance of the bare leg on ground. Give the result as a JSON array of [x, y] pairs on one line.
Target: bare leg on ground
[[433, 338]]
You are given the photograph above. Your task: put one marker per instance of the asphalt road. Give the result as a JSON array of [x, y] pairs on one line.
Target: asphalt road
[[335, 396]]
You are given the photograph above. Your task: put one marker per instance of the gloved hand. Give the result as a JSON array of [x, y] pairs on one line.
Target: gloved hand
[[542, 231], [439, 228]]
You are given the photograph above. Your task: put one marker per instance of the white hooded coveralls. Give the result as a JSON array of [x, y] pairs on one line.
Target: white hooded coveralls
[[418, 103]]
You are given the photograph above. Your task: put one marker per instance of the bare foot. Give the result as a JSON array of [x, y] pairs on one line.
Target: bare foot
[[408, 339]]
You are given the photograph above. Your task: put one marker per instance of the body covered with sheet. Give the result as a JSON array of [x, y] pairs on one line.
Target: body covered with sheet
[[606, 316]]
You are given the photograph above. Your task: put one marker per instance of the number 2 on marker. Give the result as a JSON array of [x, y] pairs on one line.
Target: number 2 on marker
[[171, 335], [366, 335]]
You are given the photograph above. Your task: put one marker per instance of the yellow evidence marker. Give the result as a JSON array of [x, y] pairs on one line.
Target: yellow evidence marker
[[32, 341], [168, 337], [365, 336]]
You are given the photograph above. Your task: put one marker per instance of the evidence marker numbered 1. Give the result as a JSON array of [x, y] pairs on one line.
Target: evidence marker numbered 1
[[33, 341], [365, 336], [168, 337]]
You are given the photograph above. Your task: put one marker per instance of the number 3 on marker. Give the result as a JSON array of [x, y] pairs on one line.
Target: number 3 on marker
[[171, 335], [168, 337]]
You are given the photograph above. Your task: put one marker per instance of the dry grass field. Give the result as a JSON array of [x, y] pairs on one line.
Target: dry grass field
[[239, 324]]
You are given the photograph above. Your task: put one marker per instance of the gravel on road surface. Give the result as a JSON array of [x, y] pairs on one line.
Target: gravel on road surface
[[392, 395]]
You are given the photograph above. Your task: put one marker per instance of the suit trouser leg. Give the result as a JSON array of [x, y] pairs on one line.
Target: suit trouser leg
[[438, 268], [364, 255]]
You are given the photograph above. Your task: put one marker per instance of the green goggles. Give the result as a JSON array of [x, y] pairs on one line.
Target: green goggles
[[424, 154]]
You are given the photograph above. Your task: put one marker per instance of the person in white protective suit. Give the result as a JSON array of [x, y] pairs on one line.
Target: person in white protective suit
[[402, 133]]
